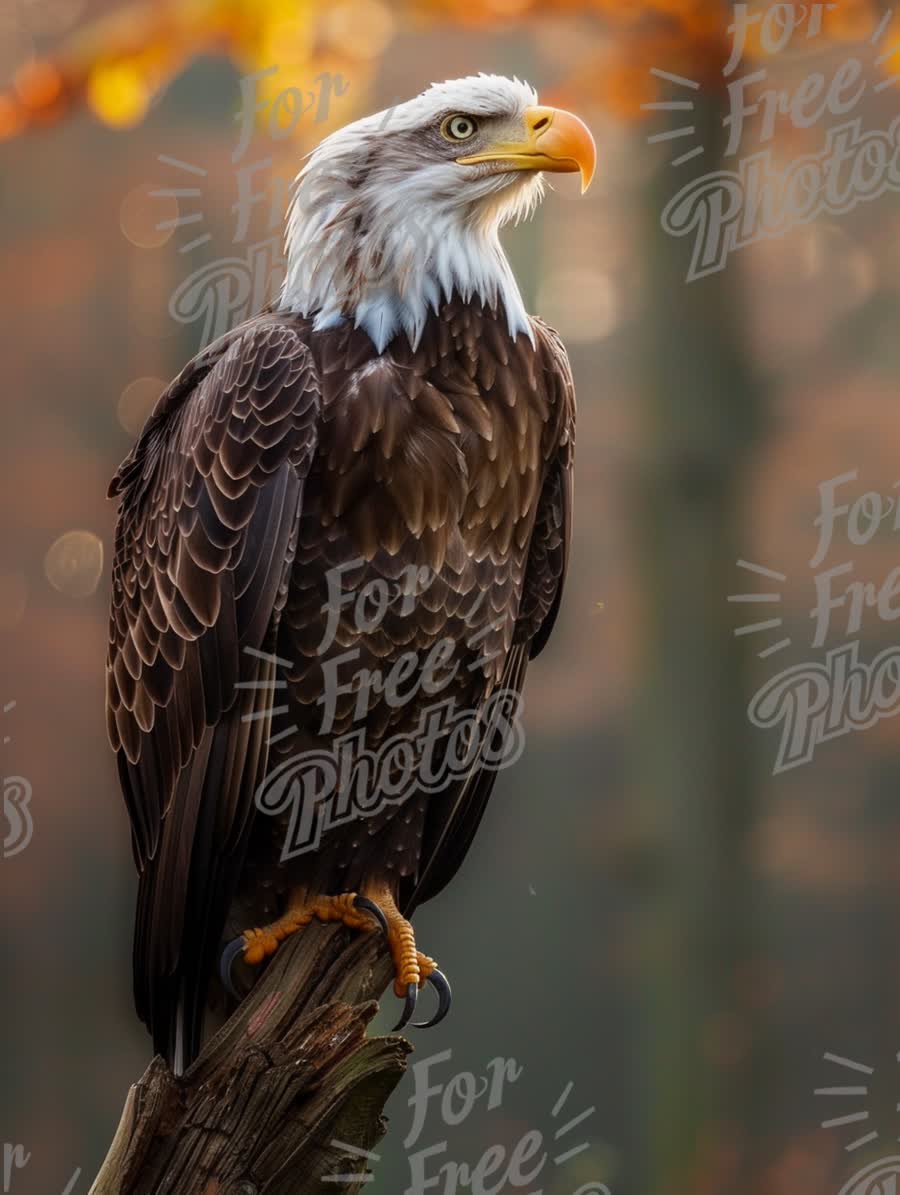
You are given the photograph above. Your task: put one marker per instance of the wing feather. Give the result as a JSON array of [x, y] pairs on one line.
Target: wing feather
[[211, 497]]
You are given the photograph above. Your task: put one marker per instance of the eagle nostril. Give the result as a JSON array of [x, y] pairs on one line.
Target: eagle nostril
[[540, 124]]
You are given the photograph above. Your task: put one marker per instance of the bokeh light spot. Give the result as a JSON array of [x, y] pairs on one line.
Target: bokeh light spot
[[833, 261], [136, 402], [118, 94], [581, 304], [11, 117], [74, 563], [362, 28], [38, 84]]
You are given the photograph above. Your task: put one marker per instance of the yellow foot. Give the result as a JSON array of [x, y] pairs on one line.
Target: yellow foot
[[411, 968], [377, 907], [261, 943]]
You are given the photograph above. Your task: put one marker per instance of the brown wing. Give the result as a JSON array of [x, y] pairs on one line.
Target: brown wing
[[454, 817], [548, 557], [205, 539]]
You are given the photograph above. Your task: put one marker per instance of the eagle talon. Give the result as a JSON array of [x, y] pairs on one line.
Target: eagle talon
[[229, 954], [369, 906], [409, 1007], [441, 985], [256, 945], [412, 969]]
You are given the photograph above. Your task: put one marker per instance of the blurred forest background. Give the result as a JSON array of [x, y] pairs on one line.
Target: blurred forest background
[[654, 923]]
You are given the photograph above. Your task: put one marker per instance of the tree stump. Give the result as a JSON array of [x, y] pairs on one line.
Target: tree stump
[[286, 1097]]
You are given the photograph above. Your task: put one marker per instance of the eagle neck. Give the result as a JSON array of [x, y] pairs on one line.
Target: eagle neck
[[387, 271]]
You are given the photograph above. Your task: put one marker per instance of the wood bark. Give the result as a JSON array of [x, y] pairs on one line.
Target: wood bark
[[287, 1082]]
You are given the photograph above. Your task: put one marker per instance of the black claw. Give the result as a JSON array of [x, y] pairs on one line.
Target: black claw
[[409, 1007], [369, 906], [229, 954], [440, 983]]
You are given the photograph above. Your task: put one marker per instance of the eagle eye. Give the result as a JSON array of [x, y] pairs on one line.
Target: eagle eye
[[458, 128]]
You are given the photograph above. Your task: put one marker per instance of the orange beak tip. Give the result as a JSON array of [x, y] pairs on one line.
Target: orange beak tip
[[568, 137]]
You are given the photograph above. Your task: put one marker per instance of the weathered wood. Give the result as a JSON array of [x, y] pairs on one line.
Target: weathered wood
[[287, 1079]]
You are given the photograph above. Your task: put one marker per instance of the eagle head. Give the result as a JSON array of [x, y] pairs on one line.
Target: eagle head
[[398, 211]]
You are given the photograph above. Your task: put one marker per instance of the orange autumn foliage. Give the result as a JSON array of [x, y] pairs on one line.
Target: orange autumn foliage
[[119, 63]]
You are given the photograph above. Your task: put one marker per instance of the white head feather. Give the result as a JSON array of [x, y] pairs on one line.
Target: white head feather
[[385, 224]]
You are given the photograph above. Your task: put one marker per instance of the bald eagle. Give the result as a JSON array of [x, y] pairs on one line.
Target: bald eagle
[[395, 420]]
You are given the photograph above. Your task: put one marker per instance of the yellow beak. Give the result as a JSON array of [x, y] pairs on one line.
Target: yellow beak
[[556, 140]]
